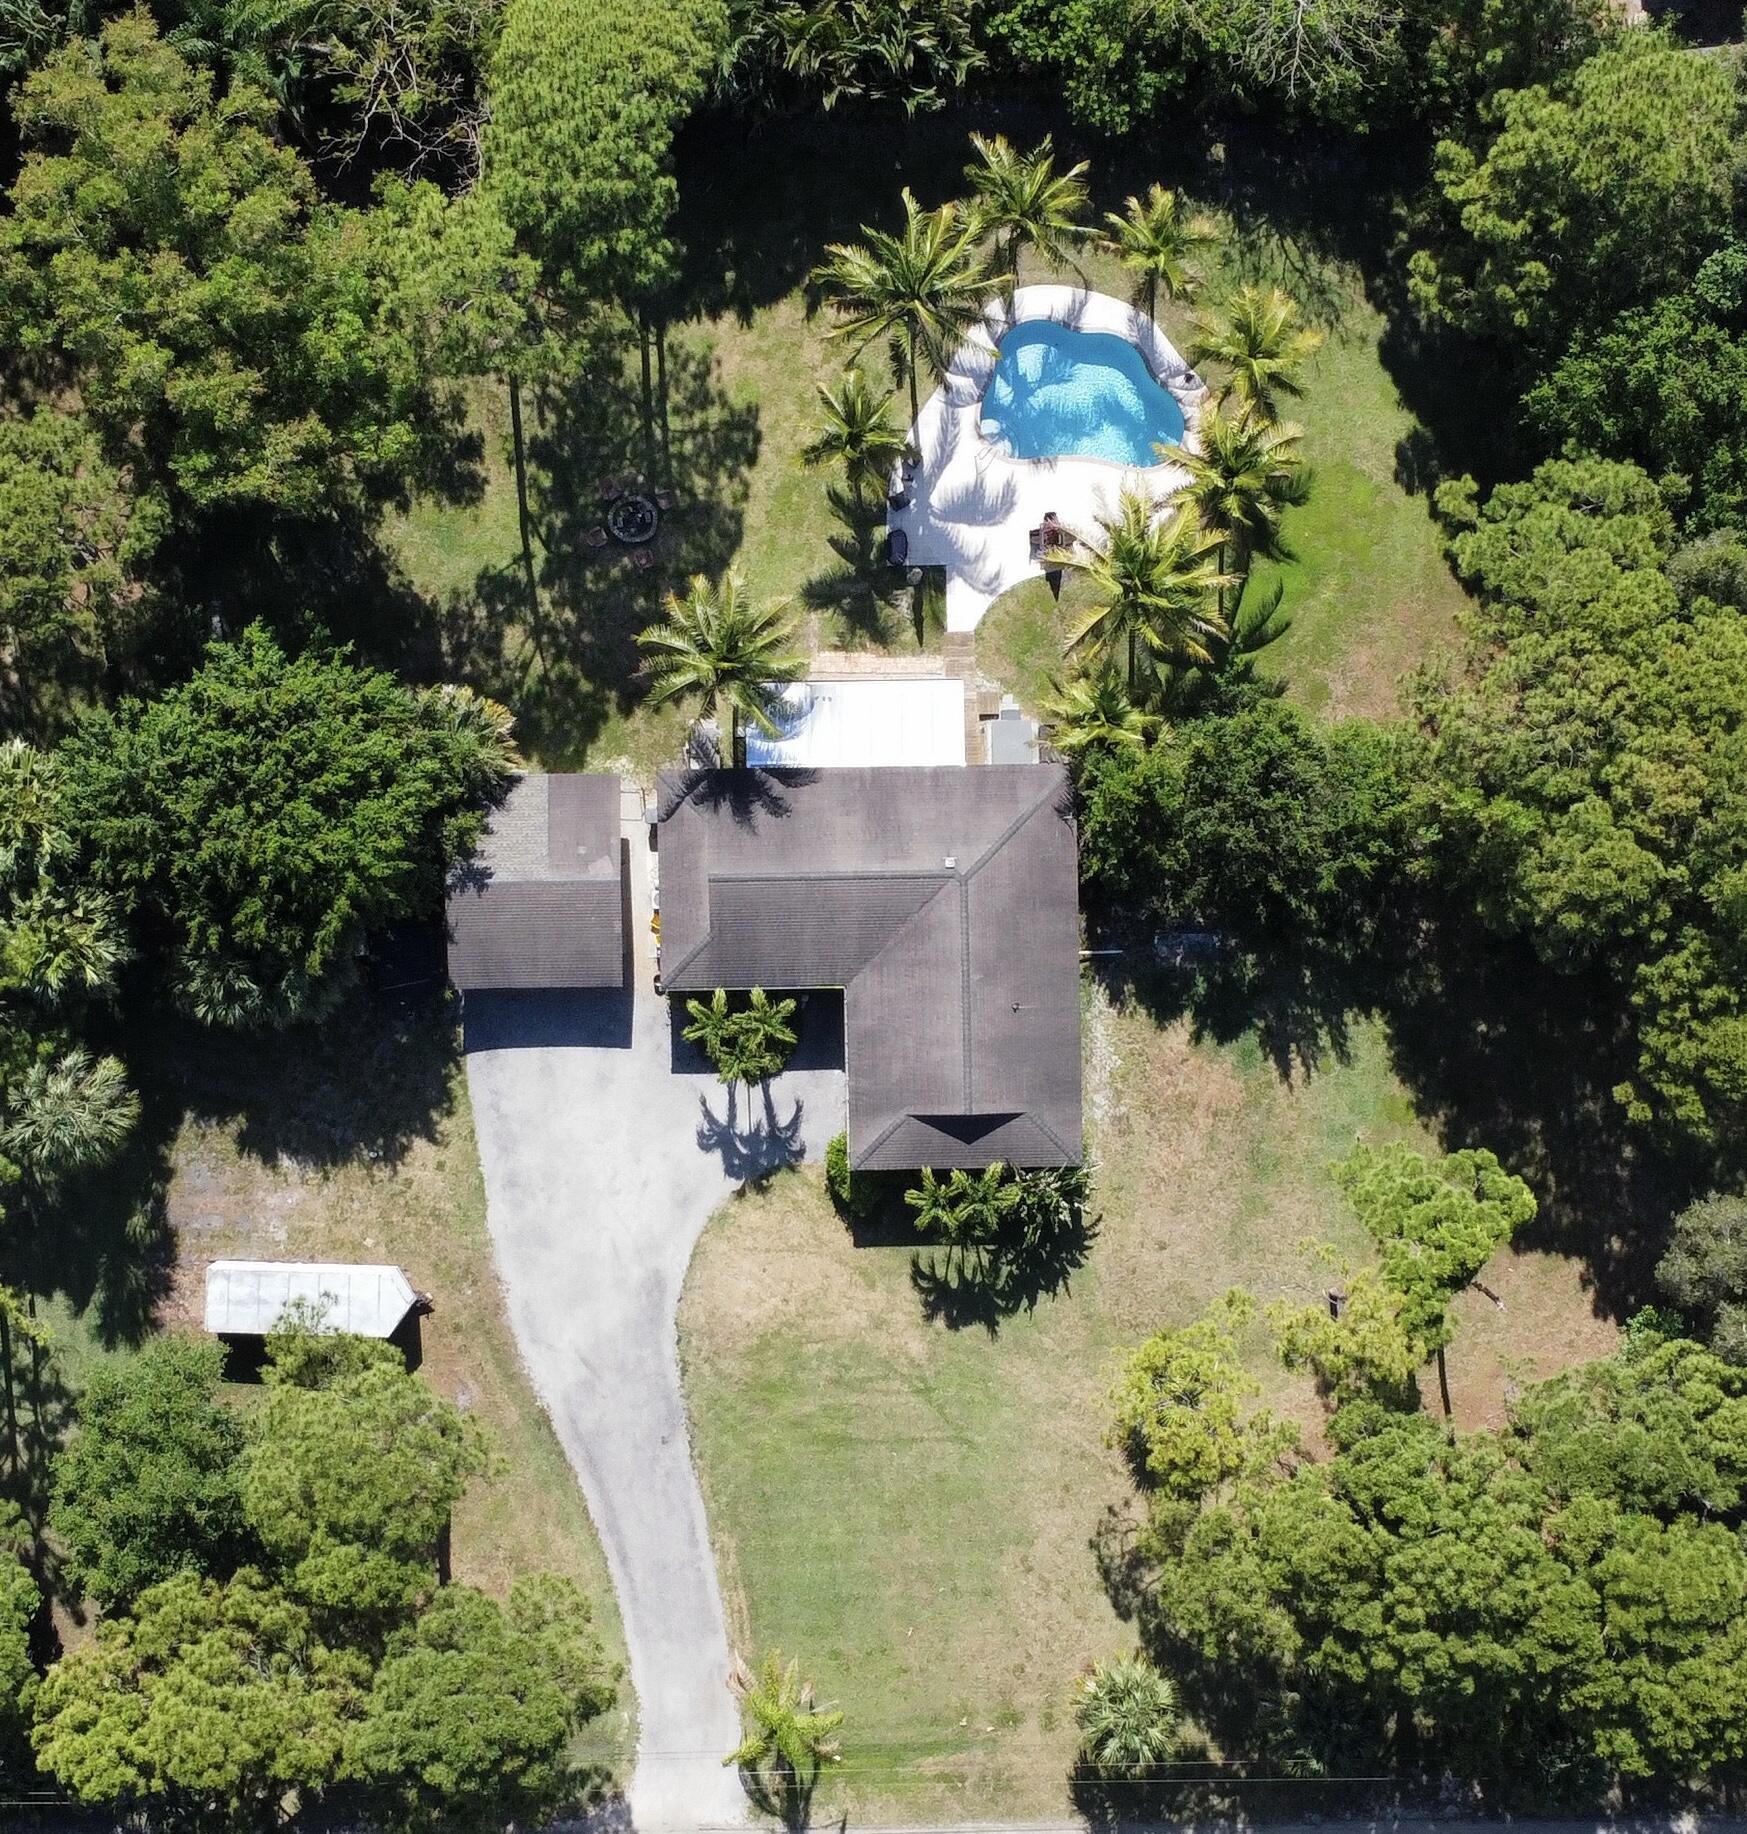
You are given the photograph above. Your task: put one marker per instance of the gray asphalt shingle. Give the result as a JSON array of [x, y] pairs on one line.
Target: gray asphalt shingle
[[943, 899]]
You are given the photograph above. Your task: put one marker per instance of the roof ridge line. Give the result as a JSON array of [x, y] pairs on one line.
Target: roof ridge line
[[875, 1145], [679, 967], [1012, 828]]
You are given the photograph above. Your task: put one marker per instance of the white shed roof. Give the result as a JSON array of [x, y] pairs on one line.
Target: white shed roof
[[865, 722], [248, 1298]]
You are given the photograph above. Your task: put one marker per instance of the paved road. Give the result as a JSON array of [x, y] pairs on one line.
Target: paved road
[[603, 1161]]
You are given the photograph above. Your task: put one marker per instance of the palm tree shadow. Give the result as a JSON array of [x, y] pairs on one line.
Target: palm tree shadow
[[786, 1797], [572, 664]]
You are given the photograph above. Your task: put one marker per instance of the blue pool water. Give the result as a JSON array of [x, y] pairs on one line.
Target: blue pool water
[[1061, 393]]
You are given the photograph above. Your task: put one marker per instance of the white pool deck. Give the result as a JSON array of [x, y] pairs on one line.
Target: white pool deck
[[972, 508]]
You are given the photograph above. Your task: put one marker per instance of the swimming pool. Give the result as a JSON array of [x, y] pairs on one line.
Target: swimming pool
[[1061, 393]]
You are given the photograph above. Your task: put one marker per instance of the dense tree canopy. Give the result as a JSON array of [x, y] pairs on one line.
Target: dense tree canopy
[[261, 818], [169, 258], [1593, 196], [1587, 774], [585, 98], [1258, 821], [1509, 1597], [1664, 386], [469, 1716], [148, 1488], [73, 542], [213, 1701], [1704, 1271], [350, 1486]]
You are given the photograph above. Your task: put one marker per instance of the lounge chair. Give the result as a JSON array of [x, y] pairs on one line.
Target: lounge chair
[[897, 548]]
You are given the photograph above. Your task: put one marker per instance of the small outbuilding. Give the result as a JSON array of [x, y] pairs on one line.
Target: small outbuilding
[[541, 903], [247, 1300]]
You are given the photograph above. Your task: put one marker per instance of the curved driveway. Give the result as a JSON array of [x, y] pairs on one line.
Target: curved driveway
[[606, 1145]]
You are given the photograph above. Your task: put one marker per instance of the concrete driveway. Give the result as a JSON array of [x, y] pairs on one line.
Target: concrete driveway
[[606, 1145]]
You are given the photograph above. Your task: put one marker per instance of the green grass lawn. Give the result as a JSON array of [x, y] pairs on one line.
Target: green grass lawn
[[912, 1509], [1366, 582], [1368, 587]]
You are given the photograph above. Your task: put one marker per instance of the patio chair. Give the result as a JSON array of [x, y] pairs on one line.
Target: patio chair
[[642, 559], [611, 489], [597, 537], [666, 499]]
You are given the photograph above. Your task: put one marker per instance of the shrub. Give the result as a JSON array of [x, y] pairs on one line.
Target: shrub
[[1127, 1715], [1704, 1271]]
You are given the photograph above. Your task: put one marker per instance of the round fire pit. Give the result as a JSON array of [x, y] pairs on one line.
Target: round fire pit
[[632, 520]]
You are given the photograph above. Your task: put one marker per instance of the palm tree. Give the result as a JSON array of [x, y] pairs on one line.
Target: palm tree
[[712, 1028], [766, 1036], [857, 433], [921, 290], [1023, 201], [1246, 475], [1256, 624], [1127, 1715], [1154, 578], [1261, 346], [788, 1735], [1095, 710], [1157, 243], [69, 1115], [734, 655]]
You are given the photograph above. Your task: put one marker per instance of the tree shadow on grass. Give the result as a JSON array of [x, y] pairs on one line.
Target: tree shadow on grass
[[863, 599], [569, 668], [362, 1088], [1499, 1051], [1495, 1050]]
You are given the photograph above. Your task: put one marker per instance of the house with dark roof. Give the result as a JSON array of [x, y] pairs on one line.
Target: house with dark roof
[[944, 902], [542, 902]]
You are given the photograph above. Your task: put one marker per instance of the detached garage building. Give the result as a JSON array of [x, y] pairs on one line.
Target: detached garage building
[[541, 903]]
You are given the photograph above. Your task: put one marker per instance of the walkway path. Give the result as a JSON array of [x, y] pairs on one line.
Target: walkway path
[[603, 1161]]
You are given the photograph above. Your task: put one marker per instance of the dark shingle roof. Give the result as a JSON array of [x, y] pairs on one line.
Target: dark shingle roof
[[944, 900], [541, 903]]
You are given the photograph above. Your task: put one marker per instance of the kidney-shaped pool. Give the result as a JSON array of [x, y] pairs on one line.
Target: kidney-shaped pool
[[1061, 393]]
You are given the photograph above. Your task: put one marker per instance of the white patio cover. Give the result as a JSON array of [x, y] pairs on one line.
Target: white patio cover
[[865, 721]]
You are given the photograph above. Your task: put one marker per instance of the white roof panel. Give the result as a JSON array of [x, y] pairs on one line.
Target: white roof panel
[[248, 1298], [865, 722]]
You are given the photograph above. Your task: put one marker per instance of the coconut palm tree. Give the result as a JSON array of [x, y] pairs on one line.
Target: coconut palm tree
[[1154, 578], [921, 290], [1127, 1715], [1024, 202], [1261, 346], [733, 655], [857, 433], [1095, 710], [788, 1734], [1157, 241], [1246, 475]]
